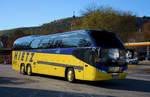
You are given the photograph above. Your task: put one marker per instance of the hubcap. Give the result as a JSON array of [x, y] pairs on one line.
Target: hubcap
[[22, 69], [29, 70], [70, 76]]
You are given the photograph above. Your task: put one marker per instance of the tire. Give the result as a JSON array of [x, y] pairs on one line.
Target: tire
[[70, 76], [29, 70], [22, 69]]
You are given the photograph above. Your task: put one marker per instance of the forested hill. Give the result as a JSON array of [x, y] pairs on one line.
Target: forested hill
[[58, 26], [48, 28]]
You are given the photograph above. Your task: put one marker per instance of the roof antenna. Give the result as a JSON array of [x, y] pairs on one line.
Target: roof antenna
[[73, 18]]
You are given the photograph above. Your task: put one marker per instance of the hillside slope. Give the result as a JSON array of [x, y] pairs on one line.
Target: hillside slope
[[52, 27]]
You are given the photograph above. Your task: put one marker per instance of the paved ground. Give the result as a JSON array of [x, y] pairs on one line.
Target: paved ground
[[13, 84]]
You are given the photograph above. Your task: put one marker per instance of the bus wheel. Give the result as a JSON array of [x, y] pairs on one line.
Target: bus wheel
[[29, 70], [22, 69], [70, 75]]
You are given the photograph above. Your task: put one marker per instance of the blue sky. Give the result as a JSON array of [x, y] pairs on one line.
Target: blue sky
[[27, 13]]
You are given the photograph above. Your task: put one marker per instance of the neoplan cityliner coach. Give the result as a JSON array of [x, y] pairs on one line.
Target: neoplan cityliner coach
[[83, 54]]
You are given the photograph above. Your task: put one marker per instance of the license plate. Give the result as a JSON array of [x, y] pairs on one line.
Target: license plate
[[115, 75], [114, 69]]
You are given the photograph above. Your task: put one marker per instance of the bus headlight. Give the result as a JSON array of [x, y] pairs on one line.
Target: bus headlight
[[124, 71], [99, 70]]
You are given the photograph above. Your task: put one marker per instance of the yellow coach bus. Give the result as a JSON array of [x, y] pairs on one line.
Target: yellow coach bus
[[91, 55]]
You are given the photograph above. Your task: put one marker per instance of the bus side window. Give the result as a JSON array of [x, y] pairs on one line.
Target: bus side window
[[54, 43], [35, 43], [44, 44], [69, 43], [51, 43], [58, 43], [84, 43]]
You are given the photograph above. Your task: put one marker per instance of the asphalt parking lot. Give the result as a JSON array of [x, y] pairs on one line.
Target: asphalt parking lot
[[13, 84]]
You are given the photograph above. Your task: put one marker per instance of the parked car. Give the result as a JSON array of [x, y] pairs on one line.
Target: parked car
[[132, 61]]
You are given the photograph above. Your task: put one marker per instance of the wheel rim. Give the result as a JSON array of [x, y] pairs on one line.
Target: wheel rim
[[22, 69], [29, 70], [70, 76]]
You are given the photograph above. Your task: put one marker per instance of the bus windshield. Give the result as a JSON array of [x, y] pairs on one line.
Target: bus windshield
[[106, 39]]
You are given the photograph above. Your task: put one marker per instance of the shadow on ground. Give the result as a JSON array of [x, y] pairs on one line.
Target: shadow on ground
[[126, 84], [15, 81], [24, 92]]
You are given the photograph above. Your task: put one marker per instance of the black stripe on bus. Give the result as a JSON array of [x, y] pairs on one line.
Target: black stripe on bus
[[61, 65]]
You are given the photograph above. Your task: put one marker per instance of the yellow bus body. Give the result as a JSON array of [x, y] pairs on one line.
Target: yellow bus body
[[56, 64]]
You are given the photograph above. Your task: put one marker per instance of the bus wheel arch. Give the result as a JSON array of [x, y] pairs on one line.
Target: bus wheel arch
[[22, 69], [70, 74], [29, 69]]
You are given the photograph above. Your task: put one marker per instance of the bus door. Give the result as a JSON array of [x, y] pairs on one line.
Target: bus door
[[90, 59], [79, 71]]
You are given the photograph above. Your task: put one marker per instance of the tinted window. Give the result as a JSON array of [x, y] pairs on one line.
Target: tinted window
[[51, 43], [35, 43], [55, 43], [1, 44], [106, 39], [44, 43], [22, 43], [84, 43], [76, 39], [58, 43], [63, 40]]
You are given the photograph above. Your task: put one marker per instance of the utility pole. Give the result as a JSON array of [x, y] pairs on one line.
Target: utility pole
[[147, 54], [73, 18]]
